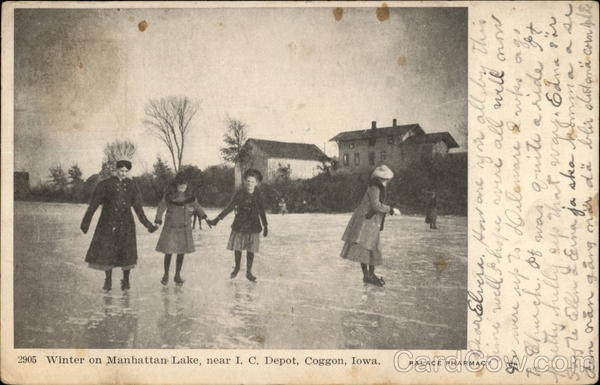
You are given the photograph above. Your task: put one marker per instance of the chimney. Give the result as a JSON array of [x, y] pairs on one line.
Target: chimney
[[394, 123], [373, 125]]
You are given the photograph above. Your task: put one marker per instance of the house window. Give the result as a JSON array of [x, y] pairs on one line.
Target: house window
[[383, 156], [390, 140], [346, 160], [357, 158], [372, 159], [351, 146], [371, 141]]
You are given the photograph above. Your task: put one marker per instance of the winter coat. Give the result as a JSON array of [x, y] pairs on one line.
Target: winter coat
[[176, 235], [367, 220], [431, 214], [114, 241], [250, 212]]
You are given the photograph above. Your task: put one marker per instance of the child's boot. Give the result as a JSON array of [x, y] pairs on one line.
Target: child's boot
[[249, 261], [238, 260]]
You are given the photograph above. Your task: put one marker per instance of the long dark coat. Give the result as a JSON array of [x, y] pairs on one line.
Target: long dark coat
[[249, 212], [114, 242], [176, 236]]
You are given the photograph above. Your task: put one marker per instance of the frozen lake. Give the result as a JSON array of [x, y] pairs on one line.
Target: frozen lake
[[306, 296]]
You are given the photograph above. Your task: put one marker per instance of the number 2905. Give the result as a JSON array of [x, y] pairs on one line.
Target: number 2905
[[27, 359]]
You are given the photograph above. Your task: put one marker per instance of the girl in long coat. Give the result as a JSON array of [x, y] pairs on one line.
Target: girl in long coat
[[114, 241], [362, 233], [246, 227], [176, 236]]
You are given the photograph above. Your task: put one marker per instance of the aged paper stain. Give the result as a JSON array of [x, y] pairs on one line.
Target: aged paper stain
[[259, 339], [142, 25], [353, 371], [338, 13], [479, 373], [594, 206], [402, 61], [130, 19], [440, 263], [517, 188], [383, 12]]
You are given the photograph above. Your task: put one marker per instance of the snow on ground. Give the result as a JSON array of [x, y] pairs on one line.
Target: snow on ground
[[306, 296]]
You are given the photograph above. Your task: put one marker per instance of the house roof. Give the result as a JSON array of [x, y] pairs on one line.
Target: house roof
[[273, 149], [433, 138], [375, 132]]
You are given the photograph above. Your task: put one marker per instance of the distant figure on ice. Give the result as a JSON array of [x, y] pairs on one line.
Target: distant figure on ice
[[114, 241], [362, 233], [180, 205], [246, 227], [282, 206], [431, 214], [197, 219]]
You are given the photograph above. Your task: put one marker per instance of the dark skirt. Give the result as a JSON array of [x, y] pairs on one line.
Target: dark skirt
[[239, 241]]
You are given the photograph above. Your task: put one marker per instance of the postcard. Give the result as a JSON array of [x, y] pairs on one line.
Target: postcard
[[299, 192]]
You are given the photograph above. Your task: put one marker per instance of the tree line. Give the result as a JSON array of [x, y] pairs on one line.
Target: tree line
[[333, 190]]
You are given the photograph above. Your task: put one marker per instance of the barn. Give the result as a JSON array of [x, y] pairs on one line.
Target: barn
[[281, 159]]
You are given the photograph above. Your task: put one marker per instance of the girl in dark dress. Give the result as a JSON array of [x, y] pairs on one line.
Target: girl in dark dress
[[246, 227], [114, 241]]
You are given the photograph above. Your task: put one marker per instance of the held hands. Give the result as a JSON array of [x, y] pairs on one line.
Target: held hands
[[158, 221], [212, 222], [152, 228]]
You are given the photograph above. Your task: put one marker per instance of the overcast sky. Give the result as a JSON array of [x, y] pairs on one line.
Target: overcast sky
[[82, 77]]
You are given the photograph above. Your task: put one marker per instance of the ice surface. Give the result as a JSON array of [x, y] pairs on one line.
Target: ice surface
[[306, 296]]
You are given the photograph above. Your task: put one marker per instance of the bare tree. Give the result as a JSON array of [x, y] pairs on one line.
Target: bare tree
[[114, 152], [235, 137], [169, 120]]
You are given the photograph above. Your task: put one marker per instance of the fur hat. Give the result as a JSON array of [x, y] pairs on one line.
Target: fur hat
[[382, 172], [124, 163]]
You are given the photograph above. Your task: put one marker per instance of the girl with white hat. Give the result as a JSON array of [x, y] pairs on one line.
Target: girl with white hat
[[362, 233]]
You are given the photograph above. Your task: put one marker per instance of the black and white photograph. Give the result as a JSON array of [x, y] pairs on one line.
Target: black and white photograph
[[240, 178]]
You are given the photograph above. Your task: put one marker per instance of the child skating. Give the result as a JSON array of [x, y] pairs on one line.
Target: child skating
[[250, 219], [176, 236], [362, 233]]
